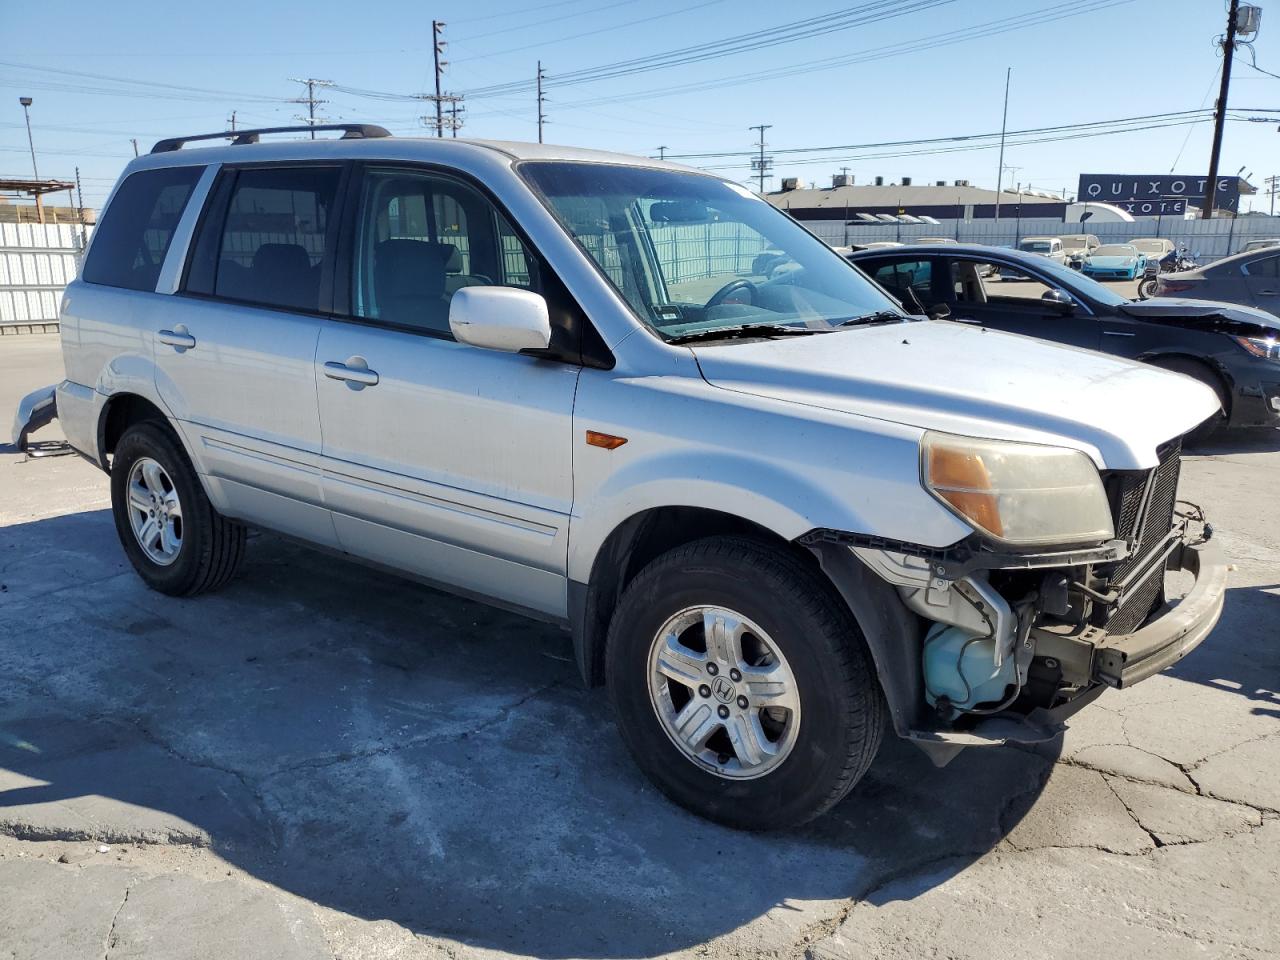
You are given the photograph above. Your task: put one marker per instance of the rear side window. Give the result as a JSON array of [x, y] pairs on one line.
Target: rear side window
[[130, 244], [1269, 267], [265, 237]]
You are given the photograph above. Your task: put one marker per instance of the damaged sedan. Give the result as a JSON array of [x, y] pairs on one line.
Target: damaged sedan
[[1230, 348]]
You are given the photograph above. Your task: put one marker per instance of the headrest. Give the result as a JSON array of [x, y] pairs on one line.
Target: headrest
[[419, 254]]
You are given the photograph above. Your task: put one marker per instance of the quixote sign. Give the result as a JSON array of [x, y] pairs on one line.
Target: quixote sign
[[1147, 193]]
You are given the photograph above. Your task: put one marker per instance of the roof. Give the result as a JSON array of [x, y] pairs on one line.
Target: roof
[[869, 195], [434, 147]]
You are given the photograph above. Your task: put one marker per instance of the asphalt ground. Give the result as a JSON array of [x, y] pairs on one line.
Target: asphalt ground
[[324, 761]]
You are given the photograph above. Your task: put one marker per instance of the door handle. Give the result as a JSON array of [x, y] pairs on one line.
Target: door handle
[[177, 337], [1267, 293], [355, 372], [1117, 333]]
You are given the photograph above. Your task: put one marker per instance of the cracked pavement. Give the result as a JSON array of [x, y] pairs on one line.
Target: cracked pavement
[[325, 761]]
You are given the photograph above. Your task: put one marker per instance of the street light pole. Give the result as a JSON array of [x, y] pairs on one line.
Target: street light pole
[[26, 112]]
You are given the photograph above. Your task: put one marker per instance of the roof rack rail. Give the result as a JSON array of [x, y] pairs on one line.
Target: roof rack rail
[[350, 131]]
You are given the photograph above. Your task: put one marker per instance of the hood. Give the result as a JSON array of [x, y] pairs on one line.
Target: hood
[[966, 380], [1109, 262], [1245, 321]]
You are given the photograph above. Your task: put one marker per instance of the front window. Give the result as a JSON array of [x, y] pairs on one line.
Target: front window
[[693, 253], [1150, 246], [1036, 246], [1116, 250]]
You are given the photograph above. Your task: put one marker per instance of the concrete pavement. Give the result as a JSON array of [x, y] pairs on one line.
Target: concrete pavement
[[324, 761]]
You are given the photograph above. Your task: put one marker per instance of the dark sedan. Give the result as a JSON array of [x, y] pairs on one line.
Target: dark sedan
[[1251, 278], [1231, 348]]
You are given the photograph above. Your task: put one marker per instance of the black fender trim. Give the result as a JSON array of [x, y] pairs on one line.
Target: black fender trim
[[894, 634]]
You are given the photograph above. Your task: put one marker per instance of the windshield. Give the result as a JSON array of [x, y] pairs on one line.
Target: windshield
[[1115, 250], [1035, 246], [1150, 246], [693, 253]]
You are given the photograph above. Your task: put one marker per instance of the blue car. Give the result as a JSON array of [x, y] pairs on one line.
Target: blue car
[[1115, 261]]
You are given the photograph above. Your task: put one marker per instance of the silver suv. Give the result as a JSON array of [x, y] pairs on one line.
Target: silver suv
[[776, 513]]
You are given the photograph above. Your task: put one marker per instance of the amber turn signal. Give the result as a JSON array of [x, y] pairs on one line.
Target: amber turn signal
[[606, 440], [961, 478]]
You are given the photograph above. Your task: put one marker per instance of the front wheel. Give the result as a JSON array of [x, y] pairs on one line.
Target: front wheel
[[742, 684], [172, 535], [1147, 288]]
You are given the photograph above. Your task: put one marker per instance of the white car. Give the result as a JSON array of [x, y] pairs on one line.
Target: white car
[[777, 515], [1050, 247]]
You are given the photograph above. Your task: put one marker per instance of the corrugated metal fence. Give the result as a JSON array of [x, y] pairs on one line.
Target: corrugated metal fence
[[1207, 239], [36, 262]]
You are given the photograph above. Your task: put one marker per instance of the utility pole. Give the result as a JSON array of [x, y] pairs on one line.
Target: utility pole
[[1272, 182], [310, 99], [232, 121], [26, 112], [437, 48], [760, 163], [1220, 110], [1004, 124], [662, 153], [84, 234], [542, 116], [134, 141]]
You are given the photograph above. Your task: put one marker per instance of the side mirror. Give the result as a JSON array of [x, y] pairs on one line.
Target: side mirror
[[1060, 300], [500, 318]]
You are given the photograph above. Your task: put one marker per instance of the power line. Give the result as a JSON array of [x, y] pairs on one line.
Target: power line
[[826, 24], [978, 31], [311, 101], [177, 91]]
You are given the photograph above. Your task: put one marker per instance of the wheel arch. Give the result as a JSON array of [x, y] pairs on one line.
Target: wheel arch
[[121, 411], [627, 549]]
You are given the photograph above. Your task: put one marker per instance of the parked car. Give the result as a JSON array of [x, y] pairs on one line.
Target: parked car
[[1251, 278], [1114, 261], [776, 514], [1077, 246], [1050, 247], [1261, 244], [934, 240], [1231, 349], [1159, 250]]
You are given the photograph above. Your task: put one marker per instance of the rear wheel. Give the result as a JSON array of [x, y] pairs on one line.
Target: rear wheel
[[172, 535], [1147, 288], [1201, 372], [742, 685]]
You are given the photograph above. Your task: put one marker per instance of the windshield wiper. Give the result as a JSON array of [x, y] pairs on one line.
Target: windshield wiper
[[880, 316], [759, 331]]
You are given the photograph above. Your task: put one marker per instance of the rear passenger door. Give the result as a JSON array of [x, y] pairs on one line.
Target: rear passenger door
[[235, 353], [442, 459]]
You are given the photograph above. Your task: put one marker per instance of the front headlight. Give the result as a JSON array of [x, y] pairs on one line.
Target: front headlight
[[1265, 347], [1019, 493]]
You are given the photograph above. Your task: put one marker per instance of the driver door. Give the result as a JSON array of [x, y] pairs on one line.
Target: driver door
[[446, 460], [1012, 299]]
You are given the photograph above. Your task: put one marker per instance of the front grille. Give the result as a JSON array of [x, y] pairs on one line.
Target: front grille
[[1146, 526]]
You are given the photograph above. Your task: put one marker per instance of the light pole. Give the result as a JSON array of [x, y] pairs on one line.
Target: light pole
[[26, 112]]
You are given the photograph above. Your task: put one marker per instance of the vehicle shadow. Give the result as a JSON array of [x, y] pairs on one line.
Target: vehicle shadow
[[1242, 440], [393, 752]]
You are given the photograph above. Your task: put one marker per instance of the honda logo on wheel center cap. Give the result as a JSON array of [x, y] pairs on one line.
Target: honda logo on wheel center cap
[[723, 689]]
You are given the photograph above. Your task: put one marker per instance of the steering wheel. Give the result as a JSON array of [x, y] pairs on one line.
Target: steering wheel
[[723, 294]]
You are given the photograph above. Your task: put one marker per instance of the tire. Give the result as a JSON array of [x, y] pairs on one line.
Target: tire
[[1147, 288], [202, 549], [1199, 371], [828, 741]]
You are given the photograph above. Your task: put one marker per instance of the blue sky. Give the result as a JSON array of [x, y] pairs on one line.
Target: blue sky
[[909, 70]]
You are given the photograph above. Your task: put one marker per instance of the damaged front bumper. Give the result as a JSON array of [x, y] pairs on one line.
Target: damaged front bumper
[[37, 409], [954, 589]]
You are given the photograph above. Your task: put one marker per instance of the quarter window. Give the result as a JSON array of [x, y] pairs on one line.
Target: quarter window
[[423, 237], [273, 236], [129, 247]]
